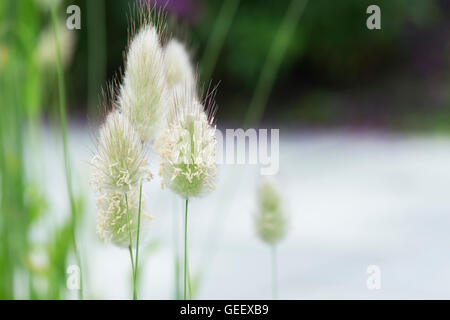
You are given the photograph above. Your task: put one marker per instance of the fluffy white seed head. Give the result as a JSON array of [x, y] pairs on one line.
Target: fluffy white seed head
[[114, 222], [180, 75], [271, 220], [187, 148], [120, 163], [178, 65], [143, 94]]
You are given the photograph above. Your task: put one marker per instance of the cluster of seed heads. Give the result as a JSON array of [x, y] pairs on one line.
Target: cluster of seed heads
[[157, 101]]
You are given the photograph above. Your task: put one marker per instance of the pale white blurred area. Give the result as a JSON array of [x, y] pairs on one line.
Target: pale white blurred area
[[354, 199]]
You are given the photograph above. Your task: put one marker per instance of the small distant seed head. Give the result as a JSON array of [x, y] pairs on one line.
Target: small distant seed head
[[46, 46], [271, 220]]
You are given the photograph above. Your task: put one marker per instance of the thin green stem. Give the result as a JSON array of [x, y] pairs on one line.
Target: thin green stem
[[274, 273], [189, 281], [130, 248], [185, 247], [176, 255], [137, 244], [273, 61], [63, 120]]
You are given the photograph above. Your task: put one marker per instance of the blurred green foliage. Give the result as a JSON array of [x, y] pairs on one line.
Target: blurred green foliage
[[331, 49], [23, 201], [332, 35]]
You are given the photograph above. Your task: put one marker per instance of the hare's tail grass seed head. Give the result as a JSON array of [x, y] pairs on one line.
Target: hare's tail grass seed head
[[143, 94], [178, 65], [119, 168], [187, 148], [271, 220], [121, 162], [117, 217], [180, 74]]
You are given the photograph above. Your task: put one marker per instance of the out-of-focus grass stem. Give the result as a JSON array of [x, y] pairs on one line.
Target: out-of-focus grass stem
[[273, 61], [96, 36], [63, 120], [217, 36], [274, 272]]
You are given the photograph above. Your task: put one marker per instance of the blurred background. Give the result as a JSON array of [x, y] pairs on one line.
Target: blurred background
[[364, 119]]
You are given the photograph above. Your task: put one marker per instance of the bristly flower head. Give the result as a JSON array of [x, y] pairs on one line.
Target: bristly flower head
[[143, 94], [180, 75], [120, 164], [114, 222], [271, 220], [187, 148], [178, 66]]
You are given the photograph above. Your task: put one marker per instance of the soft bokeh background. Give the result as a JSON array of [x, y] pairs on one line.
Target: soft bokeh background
[[364, 119]]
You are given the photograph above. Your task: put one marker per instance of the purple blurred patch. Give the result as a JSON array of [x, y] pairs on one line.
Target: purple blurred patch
[[184, 9]]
